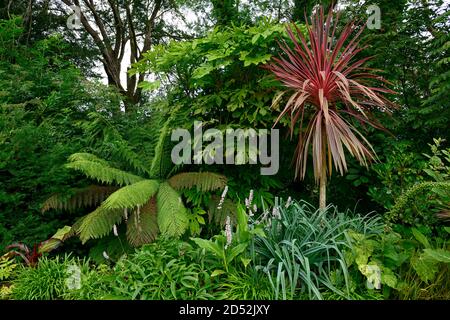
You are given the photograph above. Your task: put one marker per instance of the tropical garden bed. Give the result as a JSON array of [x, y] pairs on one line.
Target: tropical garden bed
[[95, 204]]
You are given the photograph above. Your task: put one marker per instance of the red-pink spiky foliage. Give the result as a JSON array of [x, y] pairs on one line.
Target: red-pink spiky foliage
[[328, 83]]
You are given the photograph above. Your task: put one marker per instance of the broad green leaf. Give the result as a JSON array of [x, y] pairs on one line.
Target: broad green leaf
[[150, 85], [421, 238], [202, 71], [235, 251], [208, 245], [425, 267], [440, 255]]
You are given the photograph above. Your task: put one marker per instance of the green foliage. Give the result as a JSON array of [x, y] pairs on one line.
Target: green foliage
[[95, 283], [43, 100], [97, 224], [229, 246], [304, 247], [397, 211], [7, 267], [414, 206], [45, 282], [248, 285], [137, 196], [224, 65], [51, 108], [100, 171], [435, 106], [404, 261], [161, 270], [218, 79], [172, 217], [399, 170], [204, 181]]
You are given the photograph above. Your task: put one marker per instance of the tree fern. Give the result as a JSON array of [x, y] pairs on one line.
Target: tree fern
[[142, 226], [133, 195], [149, 206], [204, 181], [172, 215]]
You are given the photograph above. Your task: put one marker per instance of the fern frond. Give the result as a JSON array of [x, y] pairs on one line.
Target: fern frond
[[172, 215], [85, 197], [84, 156], [204, 181], [122, 149], [142, 227], [103, 173], [98, 223], [136, 194], [155, 168], [75, 230], [219, 216]]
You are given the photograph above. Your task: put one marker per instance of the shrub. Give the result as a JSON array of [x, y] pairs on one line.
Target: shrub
[[411, 264]]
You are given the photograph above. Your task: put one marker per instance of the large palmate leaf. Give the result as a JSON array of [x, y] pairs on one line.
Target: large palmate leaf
[[321, 71], [172, 215], [133, 195], [142, 225], [203, 181]]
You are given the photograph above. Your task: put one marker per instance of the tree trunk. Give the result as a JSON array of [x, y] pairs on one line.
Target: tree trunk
[[323, 188]]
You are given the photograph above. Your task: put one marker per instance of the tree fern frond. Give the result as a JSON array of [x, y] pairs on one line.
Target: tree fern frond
[[98, 223], [103, 173], [122, 149], [204, 181], [155, 168], [136, 194], [219, 216], [142, 227], [172, 215], [85, 197], [85, 156], [75, 231]]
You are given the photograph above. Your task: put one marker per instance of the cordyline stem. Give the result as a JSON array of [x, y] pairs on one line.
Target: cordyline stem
[[323, 175], [323, 189]]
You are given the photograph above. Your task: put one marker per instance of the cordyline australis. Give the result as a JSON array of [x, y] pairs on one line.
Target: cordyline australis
[[327, 84]]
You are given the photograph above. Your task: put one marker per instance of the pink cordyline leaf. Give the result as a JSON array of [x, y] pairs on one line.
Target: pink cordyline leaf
[[326, 82]]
